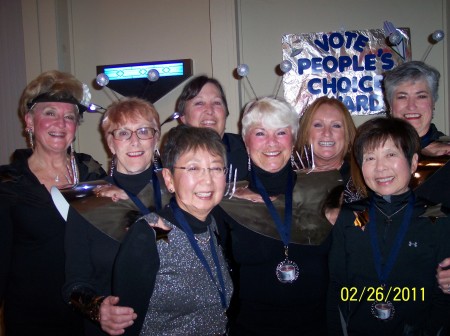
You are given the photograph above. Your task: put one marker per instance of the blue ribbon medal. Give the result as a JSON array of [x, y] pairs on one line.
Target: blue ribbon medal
[[287, 271]]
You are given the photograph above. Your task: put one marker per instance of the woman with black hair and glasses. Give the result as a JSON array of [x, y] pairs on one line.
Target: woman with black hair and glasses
[[96, 226], [178, 284]]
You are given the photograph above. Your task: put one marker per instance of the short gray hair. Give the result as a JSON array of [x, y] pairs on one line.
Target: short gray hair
[[410, 71], [271, 113]]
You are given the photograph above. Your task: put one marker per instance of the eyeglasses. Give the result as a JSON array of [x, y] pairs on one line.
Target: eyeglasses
[[143, 133], [198, 171]]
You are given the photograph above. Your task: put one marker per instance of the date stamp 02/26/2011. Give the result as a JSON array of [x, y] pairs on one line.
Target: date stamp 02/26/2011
[[382, 294]]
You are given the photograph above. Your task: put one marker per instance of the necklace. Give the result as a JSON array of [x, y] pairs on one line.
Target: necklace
[[69, 175], [204, 240], [72, 175], [388, 219]]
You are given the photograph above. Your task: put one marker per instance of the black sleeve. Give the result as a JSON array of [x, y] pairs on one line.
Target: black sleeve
[[337, 266], [79, 268], [6, 243], [135, 271], [439, 314]]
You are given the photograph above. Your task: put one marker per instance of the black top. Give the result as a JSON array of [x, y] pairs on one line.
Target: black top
[[419, 304], [236, 155], [32, 250], [94, 233], [265, 306], [432, 135], [436, 188]]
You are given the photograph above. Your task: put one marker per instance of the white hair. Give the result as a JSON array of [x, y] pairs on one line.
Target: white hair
[[271, 113]]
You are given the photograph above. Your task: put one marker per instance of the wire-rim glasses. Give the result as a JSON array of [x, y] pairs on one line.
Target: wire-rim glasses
[[143, 133], [199, 171]]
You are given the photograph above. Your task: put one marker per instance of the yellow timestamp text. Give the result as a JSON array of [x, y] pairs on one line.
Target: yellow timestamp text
[[382, 294]]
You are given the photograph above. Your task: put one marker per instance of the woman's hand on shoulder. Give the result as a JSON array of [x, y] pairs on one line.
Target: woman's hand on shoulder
[[160, 225], [114, 319], [443, 275], [112, 191], [437, 149]]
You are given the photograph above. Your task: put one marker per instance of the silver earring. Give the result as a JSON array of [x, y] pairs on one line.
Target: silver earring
[[249, 164], [157, 164], [293, 164], [29, 131], [113, 165]]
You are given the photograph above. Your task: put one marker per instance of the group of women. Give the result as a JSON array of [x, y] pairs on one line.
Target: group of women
[[164, 252]]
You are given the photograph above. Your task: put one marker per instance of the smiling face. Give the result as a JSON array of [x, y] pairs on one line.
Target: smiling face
[[413, 102], [386, 170], [54, 125], [269, 149], [133, 155], [207, 109], [327, 136], [197, 195]]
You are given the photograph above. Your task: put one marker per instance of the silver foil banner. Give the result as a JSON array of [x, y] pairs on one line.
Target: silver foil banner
[[347, 65]]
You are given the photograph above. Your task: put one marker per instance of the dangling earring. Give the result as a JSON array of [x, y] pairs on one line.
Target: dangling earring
[[113, 165], [30, 134], [73, 171], [249, 164], [157, 164]]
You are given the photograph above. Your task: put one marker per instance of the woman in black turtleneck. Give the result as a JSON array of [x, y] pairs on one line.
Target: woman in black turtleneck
[[278, 235], [411, 91], [386, 248], [95, 227]]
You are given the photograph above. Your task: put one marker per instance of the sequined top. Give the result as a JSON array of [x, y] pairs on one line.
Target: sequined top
[[185, 301]]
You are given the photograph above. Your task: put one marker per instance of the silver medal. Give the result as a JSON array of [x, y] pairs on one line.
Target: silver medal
[[383, 310], [287, 271]]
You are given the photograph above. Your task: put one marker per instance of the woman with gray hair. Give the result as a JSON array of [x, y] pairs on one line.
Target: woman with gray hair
[[411, 91], [278, 233]]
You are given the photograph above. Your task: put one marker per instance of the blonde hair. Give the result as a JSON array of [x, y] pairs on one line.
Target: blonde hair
[[53, 83]]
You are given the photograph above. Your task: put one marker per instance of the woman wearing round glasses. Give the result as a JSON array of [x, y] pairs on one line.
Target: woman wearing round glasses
[[131, 130], [178, 283]]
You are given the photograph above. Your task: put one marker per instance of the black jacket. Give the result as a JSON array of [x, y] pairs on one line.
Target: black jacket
[[420, 306], [32, 250]]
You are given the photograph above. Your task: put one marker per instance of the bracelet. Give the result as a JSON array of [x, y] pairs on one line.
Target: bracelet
[[88, 305]]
